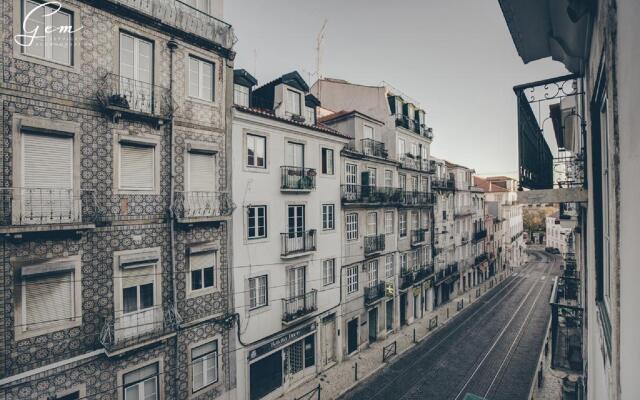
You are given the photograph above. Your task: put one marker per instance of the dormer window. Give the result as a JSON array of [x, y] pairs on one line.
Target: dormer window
[[310, 115], [293, 102], [241, 95]]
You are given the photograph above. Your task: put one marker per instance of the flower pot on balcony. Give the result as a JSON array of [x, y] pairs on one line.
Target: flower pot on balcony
[[118, 100]]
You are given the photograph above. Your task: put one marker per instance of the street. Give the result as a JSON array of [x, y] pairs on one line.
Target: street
[[490, 350]]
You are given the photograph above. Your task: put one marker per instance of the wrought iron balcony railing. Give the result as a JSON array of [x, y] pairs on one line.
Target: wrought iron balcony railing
[[410, 161], [202, 205], [481, 258], [134, 328], [374, 244], [479, 235], [406, 279], [297, 307], [424, 272], [47, 206], [298, 242], [443, 184], [373, 293], [123, 95], [418, 236], [373, 148], [297, 178], [357, 194], [417, 198]]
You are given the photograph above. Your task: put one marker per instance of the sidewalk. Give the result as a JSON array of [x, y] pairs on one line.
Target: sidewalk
[[340, 378]]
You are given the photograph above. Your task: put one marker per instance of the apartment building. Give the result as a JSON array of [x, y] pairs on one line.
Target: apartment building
[[115, 214], [597, 42], [387, 209], [557, 234], [287, 241]]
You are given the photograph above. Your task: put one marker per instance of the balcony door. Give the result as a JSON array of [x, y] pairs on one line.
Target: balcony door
[[295, 224], [46, 194], [296, 282], [351, 179], [372, 224], [140, 314], [295, 155], [136, 72]]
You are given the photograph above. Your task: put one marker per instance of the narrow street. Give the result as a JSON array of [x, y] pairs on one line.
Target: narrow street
[[490, 350]]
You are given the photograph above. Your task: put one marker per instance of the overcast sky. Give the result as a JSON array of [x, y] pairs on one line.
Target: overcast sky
[[455, 57]]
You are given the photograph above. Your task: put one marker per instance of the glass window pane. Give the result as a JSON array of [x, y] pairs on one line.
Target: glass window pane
[[150, 389], [208, 277], [131, 393], [146, 296], [130, 299], [61, 41], [34, 24], [196, 280], [198, 374], [194, 83]]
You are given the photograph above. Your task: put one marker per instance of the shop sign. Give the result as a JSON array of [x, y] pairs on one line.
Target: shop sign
[[281, 341], [416, 290]]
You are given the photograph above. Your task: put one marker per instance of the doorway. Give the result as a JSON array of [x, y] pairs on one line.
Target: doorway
[[403, 309], [389, 315], [352, 336], [329, 336], [373, 324]]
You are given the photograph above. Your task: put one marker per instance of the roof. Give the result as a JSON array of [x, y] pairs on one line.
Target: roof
[[487, 185], [449, 164], [292, 79], [345, 114], [267, 114], [244, 78], [499, 178]]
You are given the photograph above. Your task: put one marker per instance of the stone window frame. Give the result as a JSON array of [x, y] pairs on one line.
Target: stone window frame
[[247, 295], [140, 139], [76, 52], [81, 389], [55, 327], [220, 373], [123, 372], [196, 249], [218, 77]]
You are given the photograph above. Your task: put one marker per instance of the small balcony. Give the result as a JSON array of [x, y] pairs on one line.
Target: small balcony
[[481, 258], [410, 161], [406, 279], [373, 244], [357, 194], [298, 243], [373, 148], [443, 184], [479, 235], [418, 236], [424, 272], [297, 179], [297, 307], [46, 209], [125, 97], [139, 327], [190, 207], [373, 293]]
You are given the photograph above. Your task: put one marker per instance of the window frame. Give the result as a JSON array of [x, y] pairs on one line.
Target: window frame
[[257, 294], [351, 226], [291, 92], [73, 14], [402, 224], [142, 140], [351, 273], [326, 168], [389, 267], [257, 226], [204, 289], [389, 223], [247, 147], [193, 362], [238, 91], [201, 63], [328, 274], [328, 224]]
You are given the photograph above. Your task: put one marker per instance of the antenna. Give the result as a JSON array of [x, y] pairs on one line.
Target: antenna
[[319, 41]]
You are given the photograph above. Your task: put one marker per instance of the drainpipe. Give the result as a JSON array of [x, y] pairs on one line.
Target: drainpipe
[[172, 45]]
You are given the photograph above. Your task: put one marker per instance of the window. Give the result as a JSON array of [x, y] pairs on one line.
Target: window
[[293, 102], [415, 151], [257, 222], [401, 148], [388, 222], [137, 297], [328, 271], [256, 151], [310, 115], [200, 79], [352, 279], [202, 267], [241, 95], [351, 176], [204, 365], [372, 223], [56, 45], [373, 177], [202, 177], [258, 292], [367, 132], [327, 161], [328, 217], [70, 396], [389, 266], [402, 224], [388, 178], [136, 72], [373, 273], [352, 226], [414, 220], [297, 281], [47, 300], [404, 262], [141, 383], [137, 167]]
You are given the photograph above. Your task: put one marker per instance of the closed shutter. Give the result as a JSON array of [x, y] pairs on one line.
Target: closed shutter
[[201, 172], [202, 260], [138, 276], [137, 167], [48, 299], [47, 161]]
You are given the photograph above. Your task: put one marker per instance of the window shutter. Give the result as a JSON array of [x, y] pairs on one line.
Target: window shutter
[[138, 276], [201, 172], [47, 161], [48, 299], [324, 161], [137, 167], [202, 260]]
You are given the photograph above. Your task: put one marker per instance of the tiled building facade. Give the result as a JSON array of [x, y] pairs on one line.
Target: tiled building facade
[[114, 214]]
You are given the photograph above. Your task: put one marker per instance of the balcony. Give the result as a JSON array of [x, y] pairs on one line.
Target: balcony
[[406, 279], [125, 97], [46, 209], [423, 273], [410, 161], [373, 293], [178, 19], [356, 194], [417, 199], [418, 236], [297, 179], [137, 328], [414, 125], [479, 235], [373, 148], [297, 307], [373, 244], [297, 243], [190, 207], [443, 184], [481, 258], [566, 325]]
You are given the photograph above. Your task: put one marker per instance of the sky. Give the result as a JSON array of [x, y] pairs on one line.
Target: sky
[[454, 57]]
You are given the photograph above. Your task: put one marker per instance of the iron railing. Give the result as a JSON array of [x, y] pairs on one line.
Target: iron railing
[[374, 148], [370, 194], [43, 206], [199, 204], [418, 236], [298, 242], [297, 178], [479, 235], [374, 243], [406, 279], [443, 184], [481, 258], [567, 326], [126, 94], [424, 272], [389, 351], [298, 306], [134, 328], [373, 293], [417, 198]]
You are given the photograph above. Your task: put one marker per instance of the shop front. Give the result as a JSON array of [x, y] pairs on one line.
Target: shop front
[[278, 364]]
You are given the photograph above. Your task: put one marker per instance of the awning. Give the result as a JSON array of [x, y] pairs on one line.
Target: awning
[[140, 259], [549, 28]]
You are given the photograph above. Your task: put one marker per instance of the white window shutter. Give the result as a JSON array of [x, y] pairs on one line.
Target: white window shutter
[[202, 260], [138, 276], [47, 161], [48, 299], [201, 172], [137, 167]]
